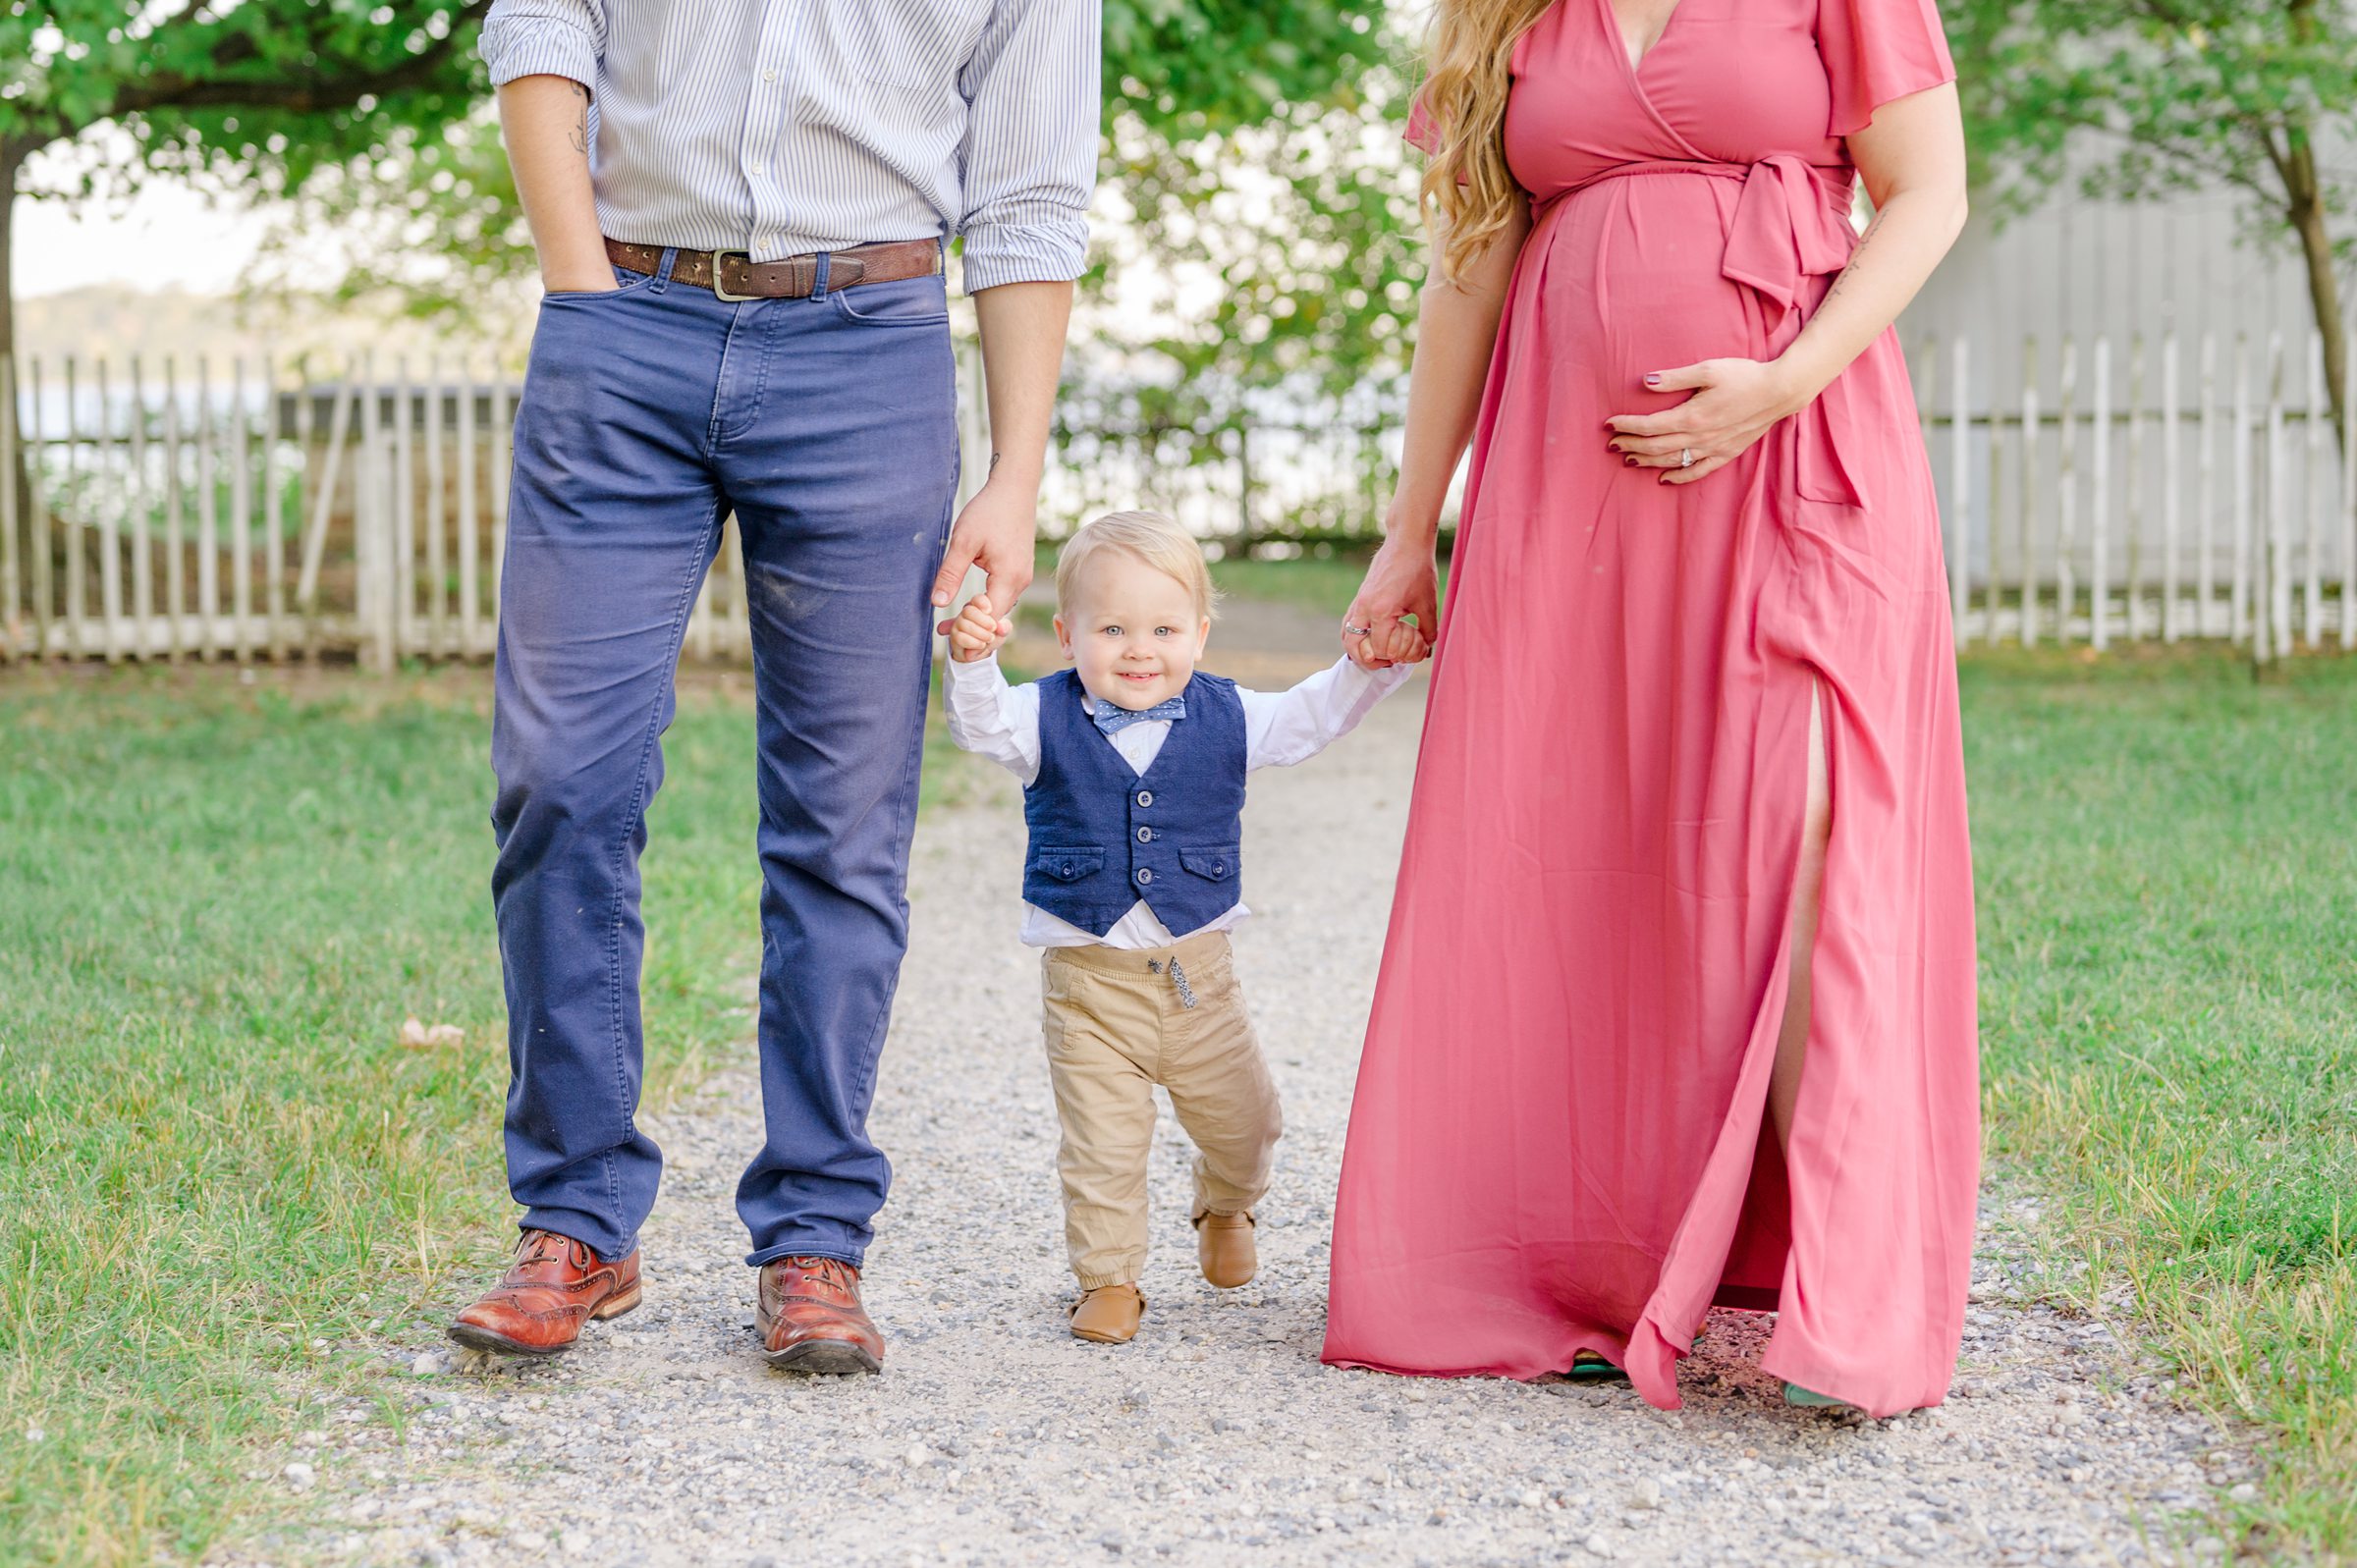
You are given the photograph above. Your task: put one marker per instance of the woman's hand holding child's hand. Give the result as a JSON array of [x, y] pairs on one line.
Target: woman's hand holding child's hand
[[1399, 643], [976, 631]]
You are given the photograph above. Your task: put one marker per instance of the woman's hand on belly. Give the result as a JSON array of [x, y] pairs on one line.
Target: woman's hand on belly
[[1734, 402]]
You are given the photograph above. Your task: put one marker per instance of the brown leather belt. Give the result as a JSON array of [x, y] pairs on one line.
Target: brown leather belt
[[734, 275]]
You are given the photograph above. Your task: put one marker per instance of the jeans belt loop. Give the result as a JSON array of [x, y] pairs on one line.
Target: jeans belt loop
[[818, 284], [671, 260]]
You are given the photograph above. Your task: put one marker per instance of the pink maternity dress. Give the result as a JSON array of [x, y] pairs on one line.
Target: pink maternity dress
[[1558, 1141]]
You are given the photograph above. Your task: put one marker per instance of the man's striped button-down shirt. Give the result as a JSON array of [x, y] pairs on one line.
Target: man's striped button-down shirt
[[782, 126]]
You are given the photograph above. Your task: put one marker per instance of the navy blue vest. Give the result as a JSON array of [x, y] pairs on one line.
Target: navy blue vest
[[1103, 837]]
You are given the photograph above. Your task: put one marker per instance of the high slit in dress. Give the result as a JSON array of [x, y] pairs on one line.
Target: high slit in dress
[[1557, 1142]]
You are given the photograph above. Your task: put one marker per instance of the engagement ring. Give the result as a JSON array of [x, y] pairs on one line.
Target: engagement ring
[[1349, 630], [1686, 457]]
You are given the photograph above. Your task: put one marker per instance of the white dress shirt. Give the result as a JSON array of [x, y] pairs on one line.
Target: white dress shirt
[[995, 720], [784, 127]]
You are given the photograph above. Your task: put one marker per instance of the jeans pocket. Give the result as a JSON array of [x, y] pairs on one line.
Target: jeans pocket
[[902, 302], [624, 282]]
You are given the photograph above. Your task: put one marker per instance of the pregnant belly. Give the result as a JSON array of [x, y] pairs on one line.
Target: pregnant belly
[[1624, 278]]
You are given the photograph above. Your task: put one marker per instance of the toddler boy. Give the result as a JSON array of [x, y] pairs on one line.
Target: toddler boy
[[1133, 766]]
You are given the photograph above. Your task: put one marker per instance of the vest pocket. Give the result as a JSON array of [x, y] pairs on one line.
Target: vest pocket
[[1212, 862], [1067, 864]]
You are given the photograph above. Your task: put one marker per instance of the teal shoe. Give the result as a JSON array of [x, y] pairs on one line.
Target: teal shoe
[[1795, 1394], [1589, 1367]]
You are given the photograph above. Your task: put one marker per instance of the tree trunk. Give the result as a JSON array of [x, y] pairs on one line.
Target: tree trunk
[[2307, 215], [2304, 209]]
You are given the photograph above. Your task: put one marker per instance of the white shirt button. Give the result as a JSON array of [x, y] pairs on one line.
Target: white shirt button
[[769, 75], [760, 168]]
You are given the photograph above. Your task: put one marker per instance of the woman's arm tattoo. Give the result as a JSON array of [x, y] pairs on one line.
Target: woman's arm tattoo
[[1857, 255]]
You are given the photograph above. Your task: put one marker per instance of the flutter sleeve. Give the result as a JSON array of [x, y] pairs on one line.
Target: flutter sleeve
[[1878, 50], [1423, 131]]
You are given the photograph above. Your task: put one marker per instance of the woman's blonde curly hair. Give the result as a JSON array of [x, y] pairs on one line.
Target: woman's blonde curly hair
[[1468, 196]]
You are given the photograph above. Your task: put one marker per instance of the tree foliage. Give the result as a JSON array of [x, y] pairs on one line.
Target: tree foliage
[[2150, 98], [253, 95], [257, 92], [1254, 150]]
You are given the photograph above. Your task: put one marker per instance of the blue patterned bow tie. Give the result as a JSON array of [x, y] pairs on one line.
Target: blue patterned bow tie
[[1113, 719]]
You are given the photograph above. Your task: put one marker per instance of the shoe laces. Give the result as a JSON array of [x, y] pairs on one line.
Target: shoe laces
[[544, 1246], [833, 1270]]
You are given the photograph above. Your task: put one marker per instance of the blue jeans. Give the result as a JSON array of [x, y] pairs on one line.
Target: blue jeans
[[828, 426]]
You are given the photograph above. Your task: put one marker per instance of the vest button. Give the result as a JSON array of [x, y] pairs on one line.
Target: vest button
[[1145, 797], [1145, 835], [1145, 875]]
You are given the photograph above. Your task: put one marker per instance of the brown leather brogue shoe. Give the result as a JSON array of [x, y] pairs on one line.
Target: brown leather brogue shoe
[[555, 1286], [1224, 1247], [1108, 1314], [811, 1321]]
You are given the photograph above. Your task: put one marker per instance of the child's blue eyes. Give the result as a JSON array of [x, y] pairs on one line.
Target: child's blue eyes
[[1159, 631]]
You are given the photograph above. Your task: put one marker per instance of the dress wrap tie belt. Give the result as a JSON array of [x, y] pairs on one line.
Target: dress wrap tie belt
[[1790, 227]]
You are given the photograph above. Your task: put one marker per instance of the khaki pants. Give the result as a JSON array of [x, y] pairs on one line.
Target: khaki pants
[[1118, 1024]]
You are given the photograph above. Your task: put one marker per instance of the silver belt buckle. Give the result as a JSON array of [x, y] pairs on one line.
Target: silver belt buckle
[[720, 290]]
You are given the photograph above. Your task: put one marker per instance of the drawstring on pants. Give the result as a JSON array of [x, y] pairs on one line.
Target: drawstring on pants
[[1186, 993]]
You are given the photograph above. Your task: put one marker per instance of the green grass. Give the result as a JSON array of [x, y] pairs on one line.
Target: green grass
[[220, 903], [2166, 858], [1324, 583]]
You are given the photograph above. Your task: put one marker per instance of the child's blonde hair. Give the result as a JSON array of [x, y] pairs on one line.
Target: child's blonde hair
[[1148, 537]]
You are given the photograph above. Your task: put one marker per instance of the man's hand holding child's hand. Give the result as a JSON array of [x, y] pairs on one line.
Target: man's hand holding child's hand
[[976, 630]]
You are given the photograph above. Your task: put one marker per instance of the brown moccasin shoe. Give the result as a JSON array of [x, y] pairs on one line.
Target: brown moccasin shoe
[[555, 1286], [1224, 1247], [1108, 1314], [811, 1321]]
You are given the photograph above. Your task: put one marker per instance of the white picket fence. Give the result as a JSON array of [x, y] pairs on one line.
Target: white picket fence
[[2158, 492], [179, 516], [2176, 490]]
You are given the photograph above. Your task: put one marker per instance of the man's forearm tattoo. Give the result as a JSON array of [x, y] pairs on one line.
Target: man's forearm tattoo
[[579, 136]]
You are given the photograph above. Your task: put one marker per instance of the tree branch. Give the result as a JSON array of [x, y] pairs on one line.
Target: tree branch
[[298, 94]]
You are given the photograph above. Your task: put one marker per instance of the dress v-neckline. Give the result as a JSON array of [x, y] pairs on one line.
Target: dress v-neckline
[[1621, 41]]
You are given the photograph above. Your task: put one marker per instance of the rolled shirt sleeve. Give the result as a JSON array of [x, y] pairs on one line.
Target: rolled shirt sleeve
[[543, 38], [1033, 87]]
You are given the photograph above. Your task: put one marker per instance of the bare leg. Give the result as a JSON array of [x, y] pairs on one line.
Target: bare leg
[[1793, 1041]]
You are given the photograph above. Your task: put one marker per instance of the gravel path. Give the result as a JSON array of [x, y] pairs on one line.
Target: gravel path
[[1216, 1437]]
